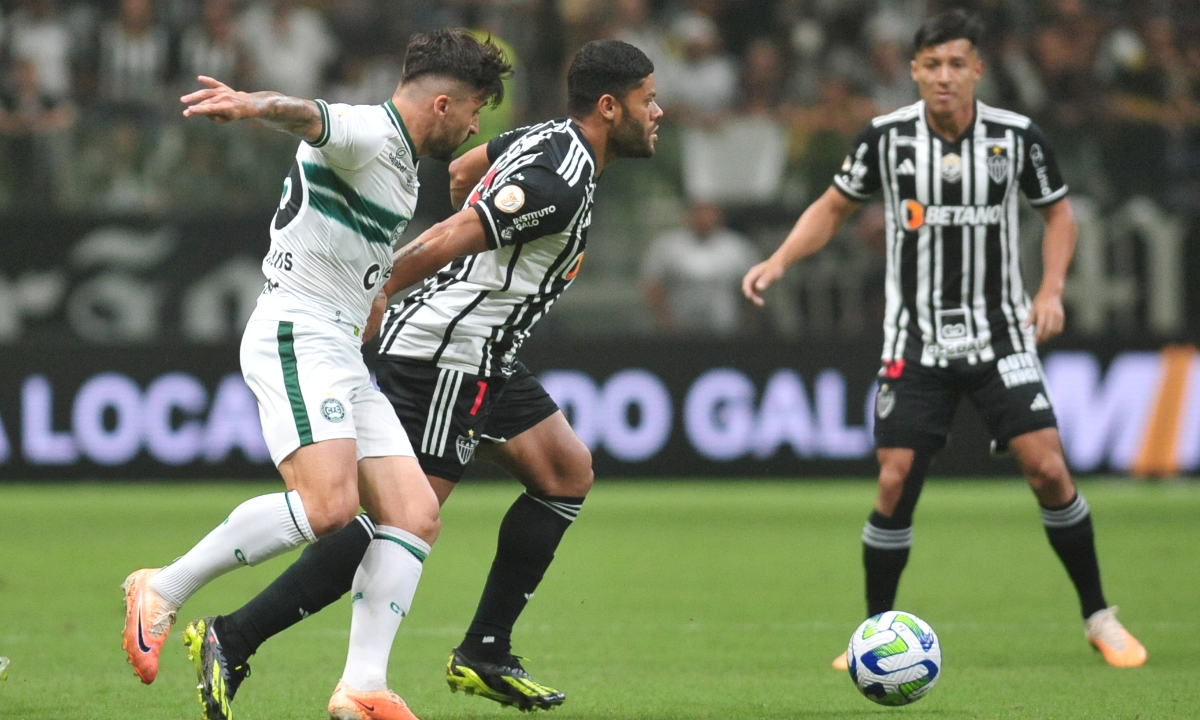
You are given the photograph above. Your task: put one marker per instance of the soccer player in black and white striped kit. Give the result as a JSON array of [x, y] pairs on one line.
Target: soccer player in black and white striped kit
[[958, 321], [448, 363]]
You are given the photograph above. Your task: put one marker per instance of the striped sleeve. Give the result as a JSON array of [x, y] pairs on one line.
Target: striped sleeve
[[858, 178], [533, 203]]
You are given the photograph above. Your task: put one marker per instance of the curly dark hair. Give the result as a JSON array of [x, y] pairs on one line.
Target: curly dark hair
[[458, 54], [604, 67]]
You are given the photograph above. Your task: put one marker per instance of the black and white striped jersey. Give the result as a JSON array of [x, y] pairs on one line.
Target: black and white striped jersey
[[953, 288], [535, 204]]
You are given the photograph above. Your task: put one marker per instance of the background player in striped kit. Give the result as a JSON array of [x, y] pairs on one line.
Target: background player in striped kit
[[958, 321], [448, 362], [336, 440]]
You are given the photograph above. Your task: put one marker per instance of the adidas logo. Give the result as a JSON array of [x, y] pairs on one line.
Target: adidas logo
[[1040, 403], [906, 168]]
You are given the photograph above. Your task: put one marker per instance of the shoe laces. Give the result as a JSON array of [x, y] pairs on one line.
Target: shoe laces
[[162, 620], [1104, 626]]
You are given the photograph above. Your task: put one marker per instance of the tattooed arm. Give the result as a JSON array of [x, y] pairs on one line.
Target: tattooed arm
[[222, 104]]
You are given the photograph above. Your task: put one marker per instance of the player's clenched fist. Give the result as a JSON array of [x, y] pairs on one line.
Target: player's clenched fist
[[759, 278], [219, 102]]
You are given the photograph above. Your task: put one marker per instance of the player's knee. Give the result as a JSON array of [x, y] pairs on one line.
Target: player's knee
[[1047, 474], [577, 475], [426, 523], [331, 511], [569, 475]]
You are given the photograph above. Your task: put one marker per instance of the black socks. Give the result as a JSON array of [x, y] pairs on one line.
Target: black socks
[[1070, 531], [322, 574], [885, 553], [529, 535], [886, 540]]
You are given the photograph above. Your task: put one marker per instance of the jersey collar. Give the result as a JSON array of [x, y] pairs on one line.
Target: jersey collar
[[967, 132], [578, 133], [398, 121]]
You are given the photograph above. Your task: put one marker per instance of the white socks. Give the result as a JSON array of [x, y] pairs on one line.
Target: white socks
[[257, 530], [382, 593]]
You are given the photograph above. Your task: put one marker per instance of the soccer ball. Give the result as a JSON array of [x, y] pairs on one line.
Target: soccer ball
[[895, 658]]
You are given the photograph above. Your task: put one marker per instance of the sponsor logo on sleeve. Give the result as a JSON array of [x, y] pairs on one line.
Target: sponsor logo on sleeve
[[532, 219], [855, 169], [1038, 156], [510, 199]]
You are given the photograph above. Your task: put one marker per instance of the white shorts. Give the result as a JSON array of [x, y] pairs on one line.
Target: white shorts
[[311, 385]]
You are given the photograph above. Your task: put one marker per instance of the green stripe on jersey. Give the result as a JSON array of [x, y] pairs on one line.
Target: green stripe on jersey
[[416, 552], [291, 381], [334, 198]]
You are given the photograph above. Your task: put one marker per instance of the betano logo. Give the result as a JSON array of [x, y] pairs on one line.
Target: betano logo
[[917, 215]]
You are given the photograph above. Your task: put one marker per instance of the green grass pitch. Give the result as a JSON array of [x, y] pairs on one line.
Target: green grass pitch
[[668, 600]]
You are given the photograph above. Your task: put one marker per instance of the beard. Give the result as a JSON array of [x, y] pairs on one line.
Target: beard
[[630, 139], [443, 147]]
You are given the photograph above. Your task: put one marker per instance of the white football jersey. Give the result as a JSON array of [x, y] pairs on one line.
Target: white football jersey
[[345, 204]]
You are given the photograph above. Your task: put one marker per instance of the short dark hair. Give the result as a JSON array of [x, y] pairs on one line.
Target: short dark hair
[[458, 54], [604, 67], [947, 26]]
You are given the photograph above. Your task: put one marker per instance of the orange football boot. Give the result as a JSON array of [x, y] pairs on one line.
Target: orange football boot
[[148, 621], [350, 704], [841, 662], [1109, 636]]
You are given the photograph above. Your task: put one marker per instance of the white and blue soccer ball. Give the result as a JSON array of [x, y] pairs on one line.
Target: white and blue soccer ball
[[895, 658]]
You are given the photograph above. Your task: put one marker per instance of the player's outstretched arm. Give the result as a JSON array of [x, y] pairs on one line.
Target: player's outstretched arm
[[222, 104], [811, 232], [1046, 314], [458, 235], [466, 171]]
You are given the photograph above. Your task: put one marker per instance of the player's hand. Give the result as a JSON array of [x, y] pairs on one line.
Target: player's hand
[[219, 102], [375, 319], [1046, 315], [759, 278]]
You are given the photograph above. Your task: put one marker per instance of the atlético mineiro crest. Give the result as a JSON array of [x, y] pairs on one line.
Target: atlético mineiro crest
[[465, 446], [885, 401], [997, 165]]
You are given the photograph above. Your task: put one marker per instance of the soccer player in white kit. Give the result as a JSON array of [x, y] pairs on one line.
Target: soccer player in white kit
[[334, 437]]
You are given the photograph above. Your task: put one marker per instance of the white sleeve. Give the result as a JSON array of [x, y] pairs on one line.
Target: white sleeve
[[351, 135]]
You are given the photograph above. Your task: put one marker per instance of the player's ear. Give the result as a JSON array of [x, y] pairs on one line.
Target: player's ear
[[609, 107], [441, 105]]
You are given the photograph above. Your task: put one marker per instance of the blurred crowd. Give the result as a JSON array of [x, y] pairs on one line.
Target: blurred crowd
[[762, 97]]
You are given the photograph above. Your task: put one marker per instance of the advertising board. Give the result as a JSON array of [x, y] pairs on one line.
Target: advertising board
[[644, 408]]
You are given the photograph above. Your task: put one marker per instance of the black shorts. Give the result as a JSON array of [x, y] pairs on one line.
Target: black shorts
[[447, 413], [914, 407]]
